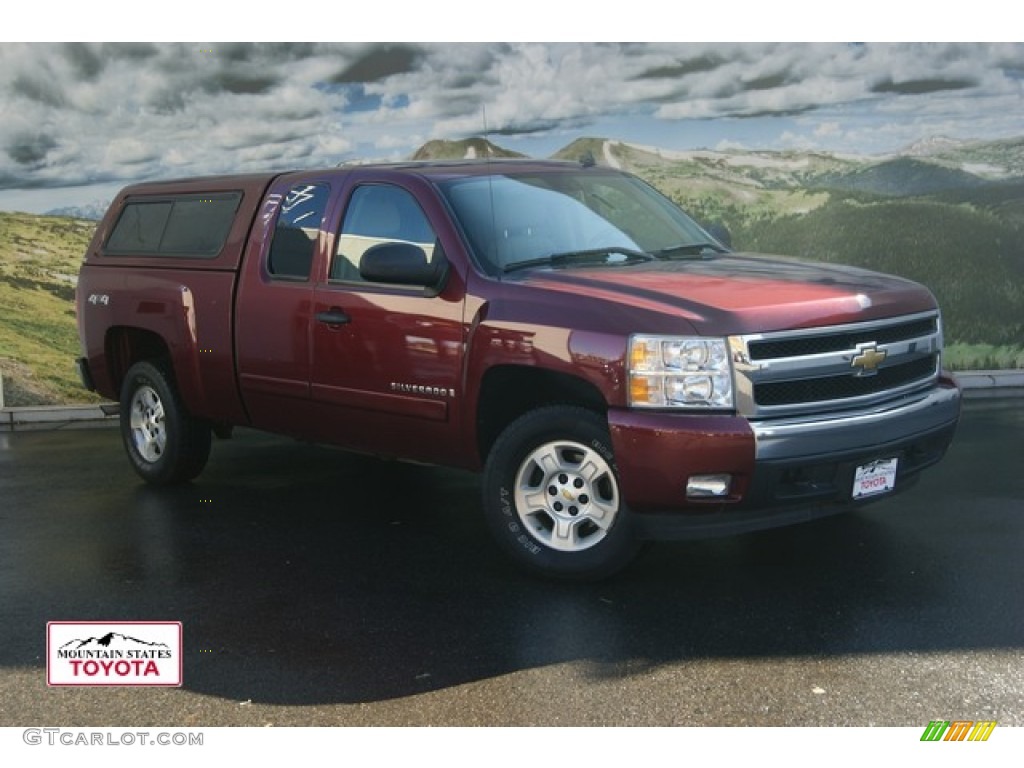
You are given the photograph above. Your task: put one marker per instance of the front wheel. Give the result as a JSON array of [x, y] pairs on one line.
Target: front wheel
[[165, 444], [551, 495]]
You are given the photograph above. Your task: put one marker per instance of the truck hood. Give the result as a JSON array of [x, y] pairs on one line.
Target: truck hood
[[743, 293]]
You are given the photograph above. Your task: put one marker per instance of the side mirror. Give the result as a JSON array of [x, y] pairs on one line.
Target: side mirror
[[403, 264], [721, 233]]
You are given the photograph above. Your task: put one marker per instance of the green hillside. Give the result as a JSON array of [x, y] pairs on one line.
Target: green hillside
[[970, 257], [39, 261], [967, 246], [902, 177]]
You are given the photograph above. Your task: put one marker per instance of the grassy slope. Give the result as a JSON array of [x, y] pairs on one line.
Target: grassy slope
[[39, 261], [971, 260]]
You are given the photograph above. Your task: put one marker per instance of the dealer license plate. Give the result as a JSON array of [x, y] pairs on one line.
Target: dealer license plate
[[874, 478]]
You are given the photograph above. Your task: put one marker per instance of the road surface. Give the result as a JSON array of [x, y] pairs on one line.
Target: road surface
[[320, 588]]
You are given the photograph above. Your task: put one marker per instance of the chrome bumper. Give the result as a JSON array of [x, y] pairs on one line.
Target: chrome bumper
[[797, 437]]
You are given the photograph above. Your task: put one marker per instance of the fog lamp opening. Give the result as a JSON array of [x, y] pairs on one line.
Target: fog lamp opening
[[708, 486]]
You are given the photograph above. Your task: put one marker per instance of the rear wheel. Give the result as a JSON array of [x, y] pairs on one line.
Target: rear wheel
[[551, 495], [165, 444]]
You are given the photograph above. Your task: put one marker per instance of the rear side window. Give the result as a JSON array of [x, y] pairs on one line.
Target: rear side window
[[188, 226], [298, 227]]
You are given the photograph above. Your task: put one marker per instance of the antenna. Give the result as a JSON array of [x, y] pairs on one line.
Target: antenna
[[487, 135], [490, 185]]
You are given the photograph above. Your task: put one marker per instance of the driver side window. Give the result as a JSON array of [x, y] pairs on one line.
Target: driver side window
[[376, 214]]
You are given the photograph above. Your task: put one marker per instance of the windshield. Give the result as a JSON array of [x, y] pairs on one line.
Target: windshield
[[512, 220]]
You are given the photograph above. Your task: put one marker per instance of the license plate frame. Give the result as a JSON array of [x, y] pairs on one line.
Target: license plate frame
[[875, 478]]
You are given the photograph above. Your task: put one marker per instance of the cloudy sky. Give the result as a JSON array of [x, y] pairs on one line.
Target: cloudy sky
[[80, 120]]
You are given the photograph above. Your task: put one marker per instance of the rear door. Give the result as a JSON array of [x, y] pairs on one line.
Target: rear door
[[274, 306]]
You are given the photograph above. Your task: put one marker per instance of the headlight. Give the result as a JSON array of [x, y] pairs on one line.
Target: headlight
[[679, 372]]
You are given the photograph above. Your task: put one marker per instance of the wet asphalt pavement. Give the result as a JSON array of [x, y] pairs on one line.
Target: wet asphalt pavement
[[321, 588]]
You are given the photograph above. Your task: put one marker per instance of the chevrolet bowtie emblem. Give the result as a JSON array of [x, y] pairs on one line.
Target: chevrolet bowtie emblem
[[868, 358]]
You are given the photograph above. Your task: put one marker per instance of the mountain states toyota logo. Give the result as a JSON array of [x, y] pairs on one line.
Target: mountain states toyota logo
[[115, 653]]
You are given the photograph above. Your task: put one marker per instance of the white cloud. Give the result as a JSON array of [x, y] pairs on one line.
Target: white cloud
[[76, 115]]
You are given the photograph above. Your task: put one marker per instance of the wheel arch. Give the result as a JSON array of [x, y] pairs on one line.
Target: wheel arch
[[510, 391], [126, 345]]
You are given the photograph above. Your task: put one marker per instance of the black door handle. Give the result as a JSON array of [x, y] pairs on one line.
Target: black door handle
[[333, 316]]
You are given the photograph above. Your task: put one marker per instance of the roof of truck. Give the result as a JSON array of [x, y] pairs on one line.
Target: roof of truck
[[449, 168], [200, 184]]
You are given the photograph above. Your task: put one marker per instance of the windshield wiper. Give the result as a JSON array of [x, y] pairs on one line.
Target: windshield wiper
[[690, 250], [594, 255]]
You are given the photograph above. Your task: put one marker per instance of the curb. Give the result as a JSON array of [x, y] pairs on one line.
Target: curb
[[975, 384], [971, 380], [57, 417]]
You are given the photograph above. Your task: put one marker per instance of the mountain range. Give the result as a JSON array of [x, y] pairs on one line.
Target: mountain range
[[925, 167], [92, 211]]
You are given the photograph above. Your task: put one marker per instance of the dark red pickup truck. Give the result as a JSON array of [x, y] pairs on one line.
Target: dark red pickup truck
[[614, 370]]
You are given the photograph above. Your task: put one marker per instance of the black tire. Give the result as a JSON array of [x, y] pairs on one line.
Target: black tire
[[165, 444], [565, 519]]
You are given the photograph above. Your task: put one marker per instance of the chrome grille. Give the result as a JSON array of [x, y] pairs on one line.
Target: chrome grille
[[819, 344], [821, 369], [835, 387]]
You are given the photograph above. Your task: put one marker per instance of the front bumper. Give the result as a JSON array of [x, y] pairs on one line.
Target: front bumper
[[784, 471]]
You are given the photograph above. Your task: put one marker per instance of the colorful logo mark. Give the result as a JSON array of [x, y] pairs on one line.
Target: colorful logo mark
[[958, 730]]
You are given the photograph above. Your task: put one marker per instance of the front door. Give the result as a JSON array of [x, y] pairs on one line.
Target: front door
[[386, 359]]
